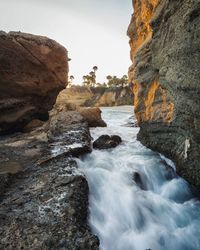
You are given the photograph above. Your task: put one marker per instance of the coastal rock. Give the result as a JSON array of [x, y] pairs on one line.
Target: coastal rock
[[33, 71], [106, 142], [138, 180], [33, 125], [96, 96], [76, 95], [92, 116], [44, 196], [108, 97], [164, 40]]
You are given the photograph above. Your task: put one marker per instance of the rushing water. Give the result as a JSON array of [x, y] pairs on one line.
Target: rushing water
[[137, 202]]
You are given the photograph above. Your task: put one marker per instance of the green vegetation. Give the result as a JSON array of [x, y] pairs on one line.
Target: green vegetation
[[90, 79], [112, 81]]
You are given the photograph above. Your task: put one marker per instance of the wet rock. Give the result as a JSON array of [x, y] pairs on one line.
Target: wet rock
[[169, 171], [45, 204], [132, 122], [106, 142], [138, 180], [33, 71]]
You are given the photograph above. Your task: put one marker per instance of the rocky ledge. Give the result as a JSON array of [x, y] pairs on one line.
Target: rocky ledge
[[43, 194], [164, 40], [33, 71]]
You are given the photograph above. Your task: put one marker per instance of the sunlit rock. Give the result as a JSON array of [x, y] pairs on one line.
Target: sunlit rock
[[164, 40]]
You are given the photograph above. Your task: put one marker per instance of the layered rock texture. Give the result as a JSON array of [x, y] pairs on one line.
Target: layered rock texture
[[33, 71], [165, 50], [44, 196], [96, 96]]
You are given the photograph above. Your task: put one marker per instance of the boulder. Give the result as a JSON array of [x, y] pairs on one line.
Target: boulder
[[33, 71], [137, 178], [106, 142], [92, 116]]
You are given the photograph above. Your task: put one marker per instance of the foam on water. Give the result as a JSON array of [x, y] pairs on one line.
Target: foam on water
[[158, 213]]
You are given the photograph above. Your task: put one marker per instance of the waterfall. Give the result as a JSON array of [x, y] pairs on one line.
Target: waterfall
[[137, 201]]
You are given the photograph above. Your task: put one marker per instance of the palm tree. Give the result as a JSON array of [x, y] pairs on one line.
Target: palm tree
[[109, 77], [86, 80], [92, 78], [71, 78], [95, 68], [124, 80]]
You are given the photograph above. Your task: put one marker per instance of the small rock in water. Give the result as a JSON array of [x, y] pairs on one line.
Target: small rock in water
[[138, 180], [106, 142]]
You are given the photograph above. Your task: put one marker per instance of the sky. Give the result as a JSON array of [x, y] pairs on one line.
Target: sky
[[93, 31]]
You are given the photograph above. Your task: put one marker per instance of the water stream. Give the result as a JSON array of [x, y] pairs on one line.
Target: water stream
[[137, 201]]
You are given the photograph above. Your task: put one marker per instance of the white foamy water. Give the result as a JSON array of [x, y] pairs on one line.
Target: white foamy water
[[153, 211]]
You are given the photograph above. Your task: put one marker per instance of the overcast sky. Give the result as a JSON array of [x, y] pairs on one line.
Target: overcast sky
[[93, 31]]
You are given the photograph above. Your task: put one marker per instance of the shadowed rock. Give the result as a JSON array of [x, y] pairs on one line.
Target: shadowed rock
[[33, 71], [106, 142], [138, 180], [43, 195]]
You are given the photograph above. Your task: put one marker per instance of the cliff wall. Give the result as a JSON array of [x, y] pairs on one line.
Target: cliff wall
[[96, 96], [165, 50]]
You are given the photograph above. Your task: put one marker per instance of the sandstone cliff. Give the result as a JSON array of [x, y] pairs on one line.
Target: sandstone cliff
[[75, 95], [96, 97], [33, 71], [165, 50]]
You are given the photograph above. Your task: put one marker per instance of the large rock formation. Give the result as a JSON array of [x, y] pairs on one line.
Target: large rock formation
[[44, 196], [165, 50], [33, 71], [75, 95], [113, 96], [96, 96]]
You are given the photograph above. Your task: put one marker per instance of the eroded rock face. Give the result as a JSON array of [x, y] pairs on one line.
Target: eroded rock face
[[96, 96], [165, 50], [33, 71], [43, 194], [76, 95]]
